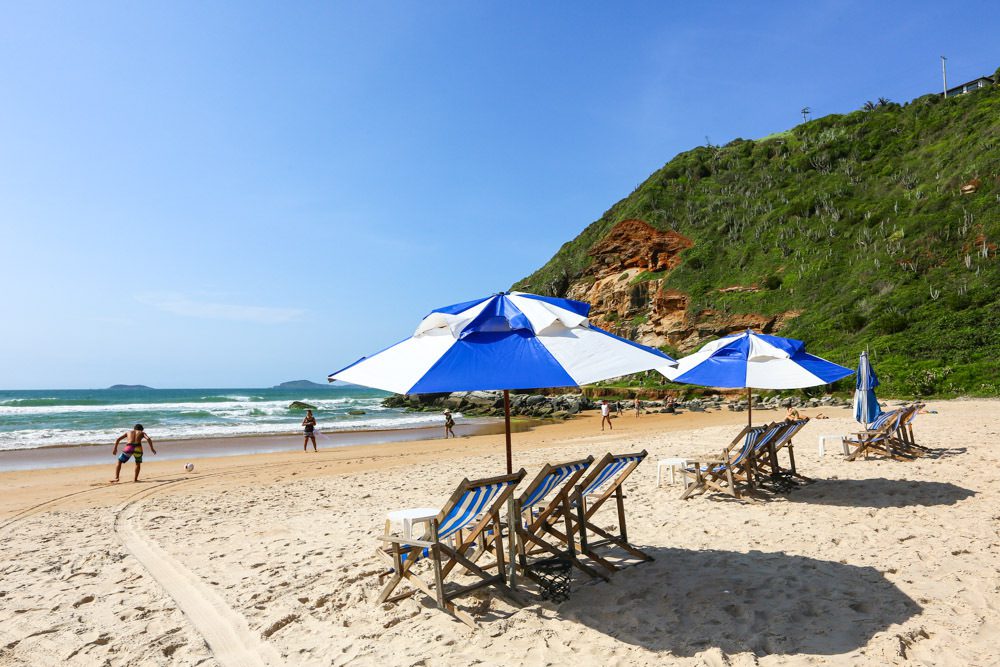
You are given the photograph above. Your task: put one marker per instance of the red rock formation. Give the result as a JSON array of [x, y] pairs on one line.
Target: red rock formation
[[644, 309]]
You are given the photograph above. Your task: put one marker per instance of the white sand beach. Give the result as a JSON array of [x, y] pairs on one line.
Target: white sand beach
[[269, 559]]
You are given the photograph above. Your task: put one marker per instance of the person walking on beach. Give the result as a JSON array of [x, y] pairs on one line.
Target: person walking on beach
[[606, 415], [618, 408], [449, 424], [638, 406], [309, 426], [133, 449]]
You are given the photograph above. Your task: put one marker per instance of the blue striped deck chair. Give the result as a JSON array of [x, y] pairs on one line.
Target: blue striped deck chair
[[716, 473], [784, 441], [880, 438], [759, 465], [545, 504], [472, 511], [905, 430], [765, 462], [603, 480]]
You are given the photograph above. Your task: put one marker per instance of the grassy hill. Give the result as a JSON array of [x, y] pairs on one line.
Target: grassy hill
[[858, 221]]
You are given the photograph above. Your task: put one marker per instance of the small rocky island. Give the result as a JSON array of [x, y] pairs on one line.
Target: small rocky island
[[120, 387], [300, 384]]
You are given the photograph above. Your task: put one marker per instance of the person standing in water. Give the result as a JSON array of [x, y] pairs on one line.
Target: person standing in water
[[449, 424], [309, 426], [133, 449]]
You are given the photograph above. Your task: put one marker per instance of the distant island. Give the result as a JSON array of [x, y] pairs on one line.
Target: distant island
[[301, 384], [129, 386]]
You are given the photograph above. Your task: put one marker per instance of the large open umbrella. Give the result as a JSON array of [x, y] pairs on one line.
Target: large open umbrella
[[751, 360], [502, 342], [866, 407]]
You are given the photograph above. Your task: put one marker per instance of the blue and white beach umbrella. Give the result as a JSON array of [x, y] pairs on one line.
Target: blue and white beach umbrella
[[866, 407], [751, 360], [505, 341]]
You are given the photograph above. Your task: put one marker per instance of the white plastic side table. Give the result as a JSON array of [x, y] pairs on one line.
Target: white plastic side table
[[673, 464], [834, 436], [408, 517]]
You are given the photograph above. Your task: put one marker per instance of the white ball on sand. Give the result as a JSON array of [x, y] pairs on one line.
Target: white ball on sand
[[189, 467]]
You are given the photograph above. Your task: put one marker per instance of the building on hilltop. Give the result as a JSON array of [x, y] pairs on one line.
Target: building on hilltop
[[969, 86]]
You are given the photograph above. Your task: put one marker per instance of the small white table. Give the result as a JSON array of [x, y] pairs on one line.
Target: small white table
[[408, 517], [834, 436], [673, 464]]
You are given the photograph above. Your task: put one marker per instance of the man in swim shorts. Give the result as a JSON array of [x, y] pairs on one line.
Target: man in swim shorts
[[132, 449]]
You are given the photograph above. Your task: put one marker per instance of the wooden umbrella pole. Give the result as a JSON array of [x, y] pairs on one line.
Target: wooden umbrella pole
[[749, 409], [506, 422]]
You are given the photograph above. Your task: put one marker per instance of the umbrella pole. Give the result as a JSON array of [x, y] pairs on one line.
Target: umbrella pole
[[506, 422], [749, 409], [511, 518]]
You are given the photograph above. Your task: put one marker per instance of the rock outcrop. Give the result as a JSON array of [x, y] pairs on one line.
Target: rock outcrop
[[625, 286], [490, 403]]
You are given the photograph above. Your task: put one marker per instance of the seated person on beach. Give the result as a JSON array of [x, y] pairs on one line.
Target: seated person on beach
[[821, 416], [792, 414], [133, 448]]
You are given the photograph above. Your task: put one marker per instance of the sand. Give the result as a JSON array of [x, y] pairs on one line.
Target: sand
[[268, 559]]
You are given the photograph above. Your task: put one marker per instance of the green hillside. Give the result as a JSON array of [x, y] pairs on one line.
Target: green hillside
[[856, 220]]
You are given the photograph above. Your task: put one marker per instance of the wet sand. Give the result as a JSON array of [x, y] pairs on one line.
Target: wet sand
[[197, 448]]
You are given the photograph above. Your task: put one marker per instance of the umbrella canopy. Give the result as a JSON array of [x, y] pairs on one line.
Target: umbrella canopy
[[866, 407], [504, 341], [751, 360]]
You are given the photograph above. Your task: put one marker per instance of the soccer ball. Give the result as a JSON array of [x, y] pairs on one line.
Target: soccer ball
[[189, 467]]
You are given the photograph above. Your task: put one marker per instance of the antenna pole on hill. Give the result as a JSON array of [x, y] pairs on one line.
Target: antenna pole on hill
[[944, 76]]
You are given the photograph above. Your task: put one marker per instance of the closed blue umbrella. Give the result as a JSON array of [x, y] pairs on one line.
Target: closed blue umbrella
[[866, 407]]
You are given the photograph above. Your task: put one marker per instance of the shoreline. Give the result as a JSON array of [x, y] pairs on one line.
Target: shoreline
[[56, 456]]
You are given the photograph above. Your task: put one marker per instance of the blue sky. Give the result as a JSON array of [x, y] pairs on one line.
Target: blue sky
[[237, 194]]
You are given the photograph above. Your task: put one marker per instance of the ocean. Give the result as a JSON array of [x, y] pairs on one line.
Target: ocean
[[43, 418]]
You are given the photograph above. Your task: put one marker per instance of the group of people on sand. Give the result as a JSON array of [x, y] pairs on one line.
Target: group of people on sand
[[137, 435]]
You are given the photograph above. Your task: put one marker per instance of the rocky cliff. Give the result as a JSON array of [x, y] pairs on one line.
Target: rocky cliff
[[625, 284]]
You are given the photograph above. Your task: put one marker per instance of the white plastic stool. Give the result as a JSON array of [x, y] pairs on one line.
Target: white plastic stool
[[834, 436], [673, 464], [409, 517]]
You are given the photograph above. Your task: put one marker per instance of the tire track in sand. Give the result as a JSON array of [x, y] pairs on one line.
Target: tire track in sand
[[225, 630]]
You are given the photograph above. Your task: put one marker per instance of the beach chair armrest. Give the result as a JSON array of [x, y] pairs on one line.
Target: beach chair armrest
[[406, 541]]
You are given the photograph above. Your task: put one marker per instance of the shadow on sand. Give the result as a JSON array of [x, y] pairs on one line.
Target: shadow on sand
[[879, 492], [766, 603]]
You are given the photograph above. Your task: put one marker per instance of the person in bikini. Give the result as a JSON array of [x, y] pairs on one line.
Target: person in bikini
[[309, 426], [132, 449]]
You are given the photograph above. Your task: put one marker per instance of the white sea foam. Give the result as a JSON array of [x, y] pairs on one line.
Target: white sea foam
[[33, 438]]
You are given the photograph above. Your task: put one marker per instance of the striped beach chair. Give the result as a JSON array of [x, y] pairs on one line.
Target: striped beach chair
[[546, 517], [881, 437], [603, 481], [717, 473], [766, 462], [471, 515]]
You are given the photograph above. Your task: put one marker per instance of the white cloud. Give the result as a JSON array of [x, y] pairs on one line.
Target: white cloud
[[178, 304]]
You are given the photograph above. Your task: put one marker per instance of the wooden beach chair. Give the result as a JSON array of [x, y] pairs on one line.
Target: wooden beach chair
[[905, 431], [453, 540], [880, 438], [716, 473], [760, 467], [769, 469], [545, 509], [603, 481]]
